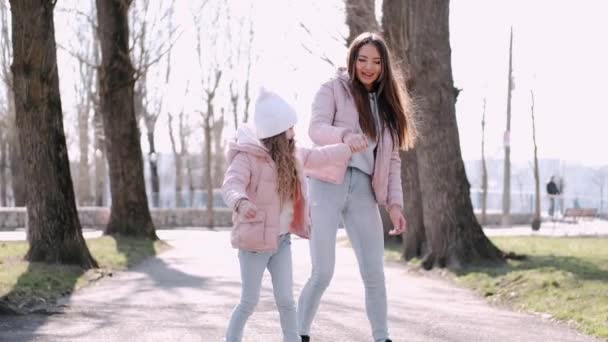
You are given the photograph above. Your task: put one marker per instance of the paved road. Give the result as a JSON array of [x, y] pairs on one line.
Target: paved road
[[187, 293]]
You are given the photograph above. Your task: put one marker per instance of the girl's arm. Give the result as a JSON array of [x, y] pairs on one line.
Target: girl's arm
[[321, 129], [324, 155], [236, 180]]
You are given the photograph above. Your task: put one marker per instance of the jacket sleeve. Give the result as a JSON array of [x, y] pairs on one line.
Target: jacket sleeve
[[236, 180], [395, 190], [313, 158], [321, 129]]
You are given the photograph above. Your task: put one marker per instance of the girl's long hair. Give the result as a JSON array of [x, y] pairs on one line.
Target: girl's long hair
[[282, 152], [394, 103]]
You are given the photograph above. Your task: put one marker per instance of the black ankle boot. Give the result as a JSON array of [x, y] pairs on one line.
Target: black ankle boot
[[388, 340], [305, 338]]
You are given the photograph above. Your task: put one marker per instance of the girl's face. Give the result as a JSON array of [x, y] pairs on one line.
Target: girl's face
[[290, 133], [368, 66]]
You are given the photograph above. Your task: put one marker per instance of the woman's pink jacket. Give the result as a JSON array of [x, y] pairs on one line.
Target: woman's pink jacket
[[333, 115]]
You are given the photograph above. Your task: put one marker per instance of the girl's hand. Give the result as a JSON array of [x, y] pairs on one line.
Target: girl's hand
[[399, 223], [356, 142], [247, 209]]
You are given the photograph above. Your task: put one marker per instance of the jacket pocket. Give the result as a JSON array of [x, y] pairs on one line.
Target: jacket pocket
[[248, 233]]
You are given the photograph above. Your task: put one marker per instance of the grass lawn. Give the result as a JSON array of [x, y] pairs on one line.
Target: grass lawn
[[566, 278], [27, 286]]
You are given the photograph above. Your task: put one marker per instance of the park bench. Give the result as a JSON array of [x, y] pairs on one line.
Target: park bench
[[576, 213]]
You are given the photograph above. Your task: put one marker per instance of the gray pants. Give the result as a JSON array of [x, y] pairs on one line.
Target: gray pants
[[354, 202], [252, 270]]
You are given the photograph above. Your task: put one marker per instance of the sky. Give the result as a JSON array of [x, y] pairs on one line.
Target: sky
[[559, 52]]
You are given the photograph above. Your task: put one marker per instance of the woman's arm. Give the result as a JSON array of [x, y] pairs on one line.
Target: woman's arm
[[321, 129]]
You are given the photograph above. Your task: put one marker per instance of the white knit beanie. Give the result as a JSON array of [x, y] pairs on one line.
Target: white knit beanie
[[273, 115]]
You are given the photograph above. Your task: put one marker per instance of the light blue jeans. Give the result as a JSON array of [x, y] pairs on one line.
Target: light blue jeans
[[354, 202], [252, 269]]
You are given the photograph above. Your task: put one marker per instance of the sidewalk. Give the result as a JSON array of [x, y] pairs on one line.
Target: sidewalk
[[187, 294]]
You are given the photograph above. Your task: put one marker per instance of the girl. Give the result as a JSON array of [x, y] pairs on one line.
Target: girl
[[264, 185], [364, 98]]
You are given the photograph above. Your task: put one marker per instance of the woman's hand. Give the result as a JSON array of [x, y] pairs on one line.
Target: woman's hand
[[247, 209], [356, 142], [399, 223]]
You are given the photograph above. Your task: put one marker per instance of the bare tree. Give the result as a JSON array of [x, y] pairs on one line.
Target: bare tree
[[208, 123], [54, 231], [209, 47], [149, 46], [180, 155], [85, 102], [419, 30], [219, 159], [238, 51], [536, 221], [130, 214], [484, 168], [13, 156], [360, 17], [506, 190]]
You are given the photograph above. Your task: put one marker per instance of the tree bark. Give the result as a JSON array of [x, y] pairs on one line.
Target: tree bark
[[3, 170], [130, 214], [219, 159], [178, 159], [101, 171], [153, 161], [453, 235], [54, 231], [360, 17]]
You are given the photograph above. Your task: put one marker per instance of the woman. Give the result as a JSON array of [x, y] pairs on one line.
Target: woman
[[365, 107]]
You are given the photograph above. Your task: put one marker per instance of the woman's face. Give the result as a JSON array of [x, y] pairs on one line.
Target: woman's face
[[368, 66]]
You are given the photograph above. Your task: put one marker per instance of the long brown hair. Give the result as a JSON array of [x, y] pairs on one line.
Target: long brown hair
[[394, 103], [282, 152]]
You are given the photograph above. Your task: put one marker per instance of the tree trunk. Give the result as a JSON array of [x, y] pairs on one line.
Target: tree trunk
[[536, 221], [208, 181], [190, 178], [84, 178], [484, 168], [219, 158], [454, 237], [101, 171], [54, 231], [130, 214], [3, 171], [360, 17], [153, 161], [506, 190], [178, 161]]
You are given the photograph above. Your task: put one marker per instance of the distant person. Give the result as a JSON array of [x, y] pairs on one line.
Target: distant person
[[264, 185], [552, 192], [576, 204]]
